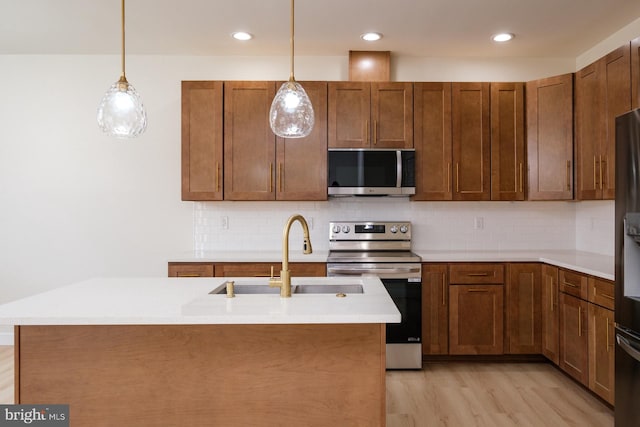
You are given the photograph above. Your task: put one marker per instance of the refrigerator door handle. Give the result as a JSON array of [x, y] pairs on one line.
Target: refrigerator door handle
[[628, 347]]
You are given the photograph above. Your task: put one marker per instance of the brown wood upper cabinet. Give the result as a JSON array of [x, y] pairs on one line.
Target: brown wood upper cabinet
[[550, 138], [370, 115], [202, 140], [432, 141], [603, 91], [471, 134], [507, 141], [635, 73], [256, 168]]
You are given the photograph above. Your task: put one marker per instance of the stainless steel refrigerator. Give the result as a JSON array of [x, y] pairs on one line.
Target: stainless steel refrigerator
[[627, 258]]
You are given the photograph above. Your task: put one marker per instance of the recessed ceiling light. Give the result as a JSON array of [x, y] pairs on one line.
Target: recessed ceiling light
[[371, 37], [502, 37], [241, 35]]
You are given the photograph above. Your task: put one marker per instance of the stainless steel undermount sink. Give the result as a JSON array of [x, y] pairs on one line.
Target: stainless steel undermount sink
[[241, 288], [329, 289]]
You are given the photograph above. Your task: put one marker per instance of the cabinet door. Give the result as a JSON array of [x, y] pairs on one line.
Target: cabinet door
[[550, 316], [635, 73], [471, 141], [392, 115], [550, 138], [617, 100], [574, 337], [302, 162], [589, 132], [191, 269], [476, 319], [507, 141], [249, 143], [523, 309], [349, 114], [435, 309], [201, 140], [432, 140], [601, 352], [603, 91]]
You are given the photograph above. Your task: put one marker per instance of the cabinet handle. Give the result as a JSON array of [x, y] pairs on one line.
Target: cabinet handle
[[280, 176], [448, 176], [457, 177], [579, 321], [551, 295], [602, 174], [477, 274], [366, 132], [188, 275], [570, 284], [375, 132], [521, 178], [270, 177], [444, 302], [568, 175], [608, 336], [217, 177], [477, 290], [595, 173]]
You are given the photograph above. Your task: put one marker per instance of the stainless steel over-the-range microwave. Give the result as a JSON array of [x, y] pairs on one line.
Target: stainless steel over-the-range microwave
[[371, 172]]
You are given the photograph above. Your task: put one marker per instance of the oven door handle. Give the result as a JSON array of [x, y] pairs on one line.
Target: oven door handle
[[353, 271]]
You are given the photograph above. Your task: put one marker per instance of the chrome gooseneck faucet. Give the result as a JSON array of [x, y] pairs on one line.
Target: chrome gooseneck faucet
[[284, 281]]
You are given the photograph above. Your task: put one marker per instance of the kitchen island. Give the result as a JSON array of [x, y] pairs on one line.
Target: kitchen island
[[163, 351]]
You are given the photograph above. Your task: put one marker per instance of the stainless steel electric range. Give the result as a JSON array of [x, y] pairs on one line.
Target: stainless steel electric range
[[383, 249]]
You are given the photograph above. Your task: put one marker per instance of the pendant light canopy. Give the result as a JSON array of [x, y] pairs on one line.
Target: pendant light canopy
[[121, 113], [291, 114]]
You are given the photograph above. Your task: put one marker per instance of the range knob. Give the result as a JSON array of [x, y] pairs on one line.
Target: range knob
[[346, 229], [394, 229], [404, 229], [336, 229]]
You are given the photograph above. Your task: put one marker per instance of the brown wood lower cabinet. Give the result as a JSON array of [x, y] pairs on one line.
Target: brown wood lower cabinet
[[574, 338], [523, 309], [550, 345], [191, 269], [435, 311], [601, 352], [476, 315]]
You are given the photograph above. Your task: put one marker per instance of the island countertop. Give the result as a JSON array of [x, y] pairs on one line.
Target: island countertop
[[180, 301]]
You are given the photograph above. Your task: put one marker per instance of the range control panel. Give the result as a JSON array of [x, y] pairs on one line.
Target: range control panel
[[355, 230]]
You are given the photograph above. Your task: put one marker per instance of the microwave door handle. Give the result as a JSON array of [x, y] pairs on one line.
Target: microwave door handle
[[398, 168]]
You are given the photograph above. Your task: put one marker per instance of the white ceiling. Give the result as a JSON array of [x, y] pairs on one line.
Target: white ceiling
[[440, 28]]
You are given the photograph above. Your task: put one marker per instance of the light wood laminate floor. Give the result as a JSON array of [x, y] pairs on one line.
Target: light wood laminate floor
[[463, 394]]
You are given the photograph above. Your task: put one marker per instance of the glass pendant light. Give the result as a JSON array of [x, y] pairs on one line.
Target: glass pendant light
[[291, 114], [121, 113]]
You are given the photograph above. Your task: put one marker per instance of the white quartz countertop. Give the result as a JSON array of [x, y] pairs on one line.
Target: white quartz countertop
[[145, 301], [584, 262]]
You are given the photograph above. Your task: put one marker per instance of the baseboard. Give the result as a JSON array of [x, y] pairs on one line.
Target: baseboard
[[6, 338]]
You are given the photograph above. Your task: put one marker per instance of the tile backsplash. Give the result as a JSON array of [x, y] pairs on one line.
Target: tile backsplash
[[586, 226]]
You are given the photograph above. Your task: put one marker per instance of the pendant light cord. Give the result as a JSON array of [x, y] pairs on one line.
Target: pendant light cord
[[291, 78], [123, 77]]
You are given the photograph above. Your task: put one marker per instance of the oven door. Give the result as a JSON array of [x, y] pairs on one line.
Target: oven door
[[408, 298]]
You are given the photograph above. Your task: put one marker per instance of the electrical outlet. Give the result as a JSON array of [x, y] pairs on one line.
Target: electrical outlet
[[478, 223], [224, 222]]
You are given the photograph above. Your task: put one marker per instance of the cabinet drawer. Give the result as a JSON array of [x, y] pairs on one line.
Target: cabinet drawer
[[197, 269], [573, 284], [474, 273], [602, 292]]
